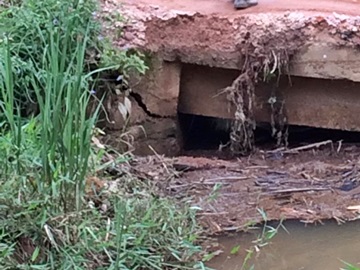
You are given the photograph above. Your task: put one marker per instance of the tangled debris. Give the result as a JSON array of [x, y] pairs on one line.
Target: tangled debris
[[267, 50], [265, 57]]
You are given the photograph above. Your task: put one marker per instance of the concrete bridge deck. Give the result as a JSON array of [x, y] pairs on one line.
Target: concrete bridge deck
[[197, 47]]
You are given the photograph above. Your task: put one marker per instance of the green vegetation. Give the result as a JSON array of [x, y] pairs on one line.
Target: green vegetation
[[264, 238], [349, 267], [46, 218]]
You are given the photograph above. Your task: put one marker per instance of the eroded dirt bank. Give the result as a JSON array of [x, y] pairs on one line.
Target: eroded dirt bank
[[212, 33]]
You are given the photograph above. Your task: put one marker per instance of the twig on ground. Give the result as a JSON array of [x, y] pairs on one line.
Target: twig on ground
[[212, 213], [339, 146], [307, 147], [194, 184], [277, 150], [257, 167], [277, 172], [292, 190], [160, 158], [212, 180], [301, 148]]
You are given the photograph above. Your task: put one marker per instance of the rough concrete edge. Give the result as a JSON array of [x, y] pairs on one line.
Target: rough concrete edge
[[138, 17]]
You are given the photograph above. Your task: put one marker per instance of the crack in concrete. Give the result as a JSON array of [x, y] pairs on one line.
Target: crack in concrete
[[138, 99]]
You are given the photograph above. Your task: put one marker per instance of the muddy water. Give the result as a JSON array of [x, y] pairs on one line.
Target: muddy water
[[321, 247]]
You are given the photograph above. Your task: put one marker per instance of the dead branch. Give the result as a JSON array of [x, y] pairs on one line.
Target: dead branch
[[307, 147], [293, 190]]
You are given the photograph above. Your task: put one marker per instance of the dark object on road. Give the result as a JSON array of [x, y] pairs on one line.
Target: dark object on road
[[349, 185], [242, 4]]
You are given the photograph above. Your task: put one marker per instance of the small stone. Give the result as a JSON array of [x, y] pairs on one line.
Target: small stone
[[155, 7], [103, 208], [128, 36]]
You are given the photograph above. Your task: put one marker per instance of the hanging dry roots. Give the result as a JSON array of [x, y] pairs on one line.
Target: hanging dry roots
[[241, 94]]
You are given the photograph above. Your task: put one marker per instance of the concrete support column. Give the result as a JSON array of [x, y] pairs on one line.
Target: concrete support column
[[160, 87]]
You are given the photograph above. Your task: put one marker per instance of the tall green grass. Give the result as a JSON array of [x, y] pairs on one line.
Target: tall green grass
[[30, 24], [349, 266], [45, 219]]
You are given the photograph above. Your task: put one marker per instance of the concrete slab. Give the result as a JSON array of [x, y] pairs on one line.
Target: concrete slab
[[327, 62], [313, 102], [159, 88]]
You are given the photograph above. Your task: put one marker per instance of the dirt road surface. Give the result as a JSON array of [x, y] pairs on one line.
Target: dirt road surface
[[226, 7]]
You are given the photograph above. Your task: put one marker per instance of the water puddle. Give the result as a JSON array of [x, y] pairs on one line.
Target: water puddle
[[311, 247]]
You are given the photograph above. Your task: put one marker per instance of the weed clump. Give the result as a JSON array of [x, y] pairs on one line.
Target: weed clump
[[54, 213]]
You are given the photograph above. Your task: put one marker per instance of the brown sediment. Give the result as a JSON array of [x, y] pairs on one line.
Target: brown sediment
[[306, 186]]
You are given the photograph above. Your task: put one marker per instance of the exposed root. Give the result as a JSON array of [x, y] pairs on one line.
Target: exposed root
[[241, 94], [278, 119]]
